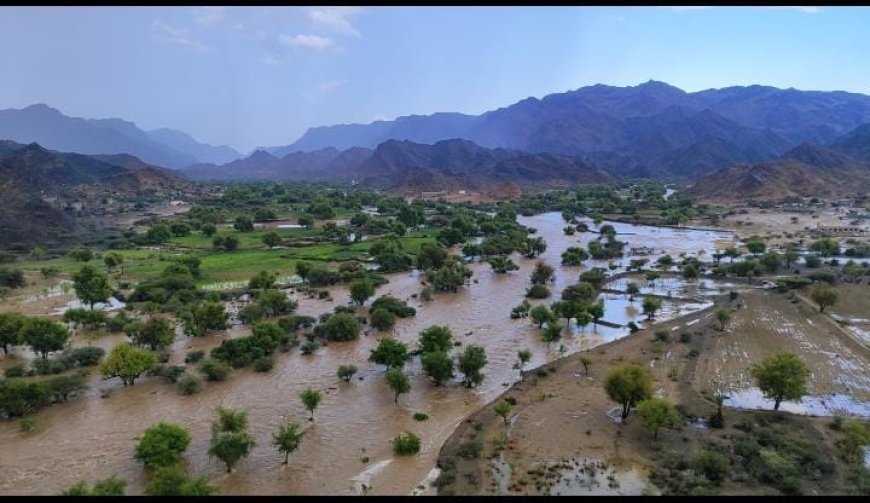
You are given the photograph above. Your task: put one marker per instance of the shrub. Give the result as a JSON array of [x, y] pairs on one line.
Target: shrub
[[420, 416], [712, 465], [162, 444], [170, 372], [194, 356], [470, 449], [27, 424], [661, 335], [538, 291], [685, 337], [189, 384], [382, 319], [309, 347], [264, 364], [17, 370], [406, 443], [85, 356], [398, 307], [214, 370]]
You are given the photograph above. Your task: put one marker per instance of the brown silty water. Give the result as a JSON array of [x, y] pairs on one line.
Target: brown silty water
[[91, 438]]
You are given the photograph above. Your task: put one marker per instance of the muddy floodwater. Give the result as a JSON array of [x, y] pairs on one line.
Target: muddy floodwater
[[348, 444]]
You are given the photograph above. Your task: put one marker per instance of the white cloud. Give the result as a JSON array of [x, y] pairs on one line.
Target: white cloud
[[178, 36], [802, 8], [330, 85], [336, 19], [314, 42], [208, 16], [270, 60]]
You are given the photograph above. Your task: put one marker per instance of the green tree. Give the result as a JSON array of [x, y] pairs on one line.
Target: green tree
[[406, 443], [782, 376], [574, 256], [341, 327], [790, 256], [542, 314], [431, 256], [382, 319], [10, 328], [263, 280], [656, 413], [157, 333], [503, 409], [436, 338], [346, 372], [771, 260], [825, 247], [233, 420], [650, 306], [173, 480], [303, 268], [43, 335], [361, 290], [398, 382], [203, 317], [628, 384], [824, 296], [91, 286], [542, 274], [470, 363], [108, 487], [501, 264], [722, 317], [390, 352], [113, 260], [287, 439], [755, 246], [128, 363], [208, 229], [310, 399], [632, 289], [243, 224], [523, 357], [585, 360], [438, 365], [162, 444], [552, 333], [81, 254], [581, 292], [230, 447], [449, 277], [306, 220]]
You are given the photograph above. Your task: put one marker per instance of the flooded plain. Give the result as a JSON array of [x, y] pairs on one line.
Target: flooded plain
[[348, 444]]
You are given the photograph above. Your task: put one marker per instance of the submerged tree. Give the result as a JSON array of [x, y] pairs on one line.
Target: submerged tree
[[287, 439], [782, 376], [628, 384]]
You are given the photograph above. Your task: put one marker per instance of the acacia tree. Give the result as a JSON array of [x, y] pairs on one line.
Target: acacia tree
[[438, 365], [157, 333], [824, 296], [628, 384], [230, 446], [656, 413], [162, 444], [346, 372], [10, 327], [436, 338], [471, 361], [287, 439], [523, 357], [782, 376], [43, 335], [651, 305], [91, 286], [390, 352], [398, 382], [503, 409], [128, 363], [310, 399]]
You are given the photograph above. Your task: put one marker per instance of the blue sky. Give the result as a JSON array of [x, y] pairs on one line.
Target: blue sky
[[261, 76]]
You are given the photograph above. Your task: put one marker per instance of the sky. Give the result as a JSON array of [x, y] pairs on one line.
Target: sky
[[249, 77]]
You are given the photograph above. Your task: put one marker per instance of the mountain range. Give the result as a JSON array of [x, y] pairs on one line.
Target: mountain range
[[34, 181], [586, 135], [52, 129]]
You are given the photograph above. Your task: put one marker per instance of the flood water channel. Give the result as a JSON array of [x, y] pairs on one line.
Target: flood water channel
[[91, 437]]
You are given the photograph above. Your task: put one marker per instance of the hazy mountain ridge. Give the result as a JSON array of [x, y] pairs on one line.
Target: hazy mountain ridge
[[52, 129]]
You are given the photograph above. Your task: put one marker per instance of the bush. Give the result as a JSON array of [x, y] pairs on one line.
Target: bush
[[214, 370], [470, 449], [661, 335], [85, 356], [264, 364], [538, 291], [693, 353], [27, 424], [17, 370], [406, 443], [382, 319], [309, 347], [162, 444], [713, 465], [340, 327], [420, 416], [685, 337], [632, 326], [189, 384], [398, 307], [194, 356], [170, 372]]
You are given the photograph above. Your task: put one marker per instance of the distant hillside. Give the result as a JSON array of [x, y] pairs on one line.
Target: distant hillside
[[54, 130], [405, 165], [32, 178], [653, 127]]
